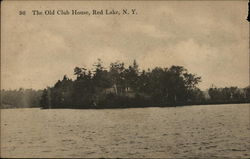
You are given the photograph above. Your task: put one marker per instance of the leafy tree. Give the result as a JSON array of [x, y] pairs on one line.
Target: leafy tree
[[117, 76], [131, 75]]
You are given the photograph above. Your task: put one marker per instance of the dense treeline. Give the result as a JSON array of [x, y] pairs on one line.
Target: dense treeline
[[121, 87], [228, 95], [21, 98]]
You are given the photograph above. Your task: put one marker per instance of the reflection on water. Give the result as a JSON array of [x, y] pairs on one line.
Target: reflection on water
[[194, 131]]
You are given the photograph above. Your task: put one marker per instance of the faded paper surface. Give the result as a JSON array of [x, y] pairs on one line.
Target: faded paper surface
[[208, 38], [43, 41]]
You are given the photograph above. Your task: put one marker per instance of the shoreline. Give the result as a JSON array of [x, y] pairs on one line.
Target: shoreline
[[127, 107]]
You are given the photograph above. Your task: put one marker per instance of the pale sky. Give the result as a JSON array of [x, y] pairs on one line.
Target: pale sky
[[210, 39]]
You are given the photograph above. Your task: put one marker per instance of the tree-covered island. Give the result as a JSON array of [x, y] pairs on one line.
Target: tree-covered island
[[123, 87]]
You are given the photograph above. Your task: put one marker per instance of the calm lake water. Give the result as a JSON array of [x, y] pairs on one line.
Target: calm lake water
[[192, 131]]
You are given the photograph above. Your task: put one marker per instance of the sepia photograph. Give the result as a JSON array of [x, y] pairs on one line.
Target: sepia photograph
[[125, 79]]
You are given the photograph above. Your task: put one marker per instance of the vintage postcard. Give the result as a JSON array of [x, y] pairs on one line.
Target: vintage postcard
[[125, 79]]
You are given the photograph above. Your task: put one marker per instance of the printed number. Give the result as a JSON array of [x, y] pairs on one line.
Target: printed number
[[22, 12]]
